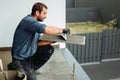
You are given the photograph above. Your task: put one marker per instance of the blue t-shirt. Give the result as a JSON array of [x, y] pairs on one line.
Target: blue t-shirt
[[26, 37]]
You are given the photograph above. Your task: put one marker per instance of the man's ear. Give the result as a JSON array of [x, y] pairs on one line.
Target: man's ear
[[37, 13]]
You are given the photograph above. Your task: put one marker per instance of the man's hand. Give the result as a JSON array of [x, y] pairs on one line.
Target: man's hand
[[66, 31], [44, 43]]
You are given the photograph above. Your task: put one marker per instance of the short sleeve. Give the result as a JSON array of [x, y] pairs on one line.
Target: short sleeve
[[36, 27]]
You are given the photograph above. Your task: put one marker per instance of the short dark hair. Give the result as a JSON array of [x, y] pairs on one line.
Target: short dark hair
[[38, 7]]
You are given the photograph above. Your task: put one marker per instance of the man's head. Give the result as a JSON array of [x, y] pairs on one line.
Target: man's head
[[39, 11]]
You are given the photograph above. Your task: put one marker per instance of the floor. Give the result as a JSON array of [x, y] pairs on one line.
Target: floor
[[58, 69], [55, 69], [104, 71]]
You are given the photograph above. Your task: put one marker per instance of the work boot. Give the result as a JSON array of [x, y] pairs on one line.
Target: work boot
[[21, 76]]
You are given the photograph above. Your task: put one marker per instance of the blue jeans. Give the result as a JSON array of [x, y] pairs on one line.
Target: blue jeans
[[31, 64]]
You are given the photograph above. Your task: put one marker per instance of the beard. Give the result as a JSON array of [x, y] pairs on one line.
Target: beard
[[40, 19]]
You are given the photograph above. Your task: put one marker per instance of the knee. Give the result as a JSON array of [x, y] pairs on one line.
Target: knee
[[10, 66]]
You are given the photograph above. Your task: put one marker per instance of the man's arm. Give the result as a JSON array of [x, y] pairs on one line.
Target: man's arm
[[50, 30], [53, 30], [44, 43]]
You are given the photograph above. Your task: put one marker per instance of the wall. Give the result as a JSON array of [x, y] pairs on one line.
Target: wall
[[70, 3], [107, 8], [82, 15], [13, 11]]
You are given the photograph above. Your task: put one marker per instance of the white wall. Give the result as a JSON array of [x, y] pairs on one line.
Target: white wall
[[12, 11]]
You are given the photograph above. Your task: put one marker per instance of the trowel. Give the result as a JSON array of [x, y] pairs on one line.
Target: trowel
[[64, 36]]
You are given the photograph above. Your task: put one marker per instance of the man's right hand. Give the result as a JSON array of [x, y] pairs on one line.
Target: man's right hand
[[66, 31]]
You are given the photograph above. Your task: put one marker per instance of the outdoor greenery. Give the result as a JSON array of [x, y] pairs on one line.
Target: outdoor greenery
[[87, 27]]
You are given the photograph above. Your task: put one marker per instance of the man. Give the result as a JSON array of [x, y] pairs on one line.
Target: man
[[28, 52]]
